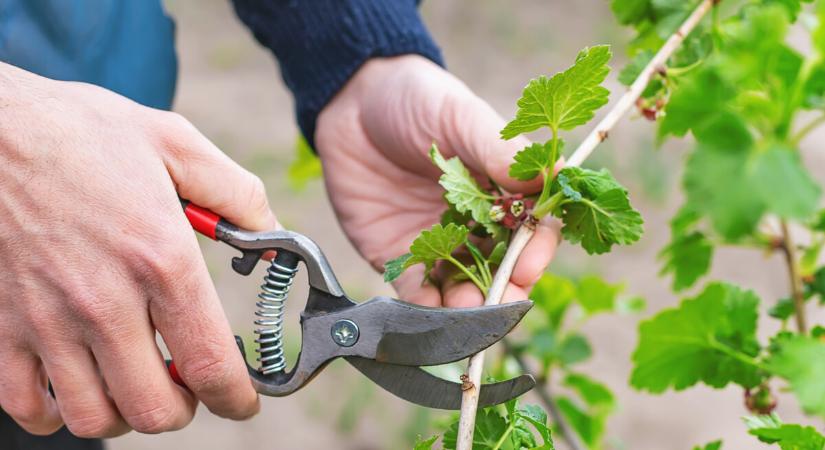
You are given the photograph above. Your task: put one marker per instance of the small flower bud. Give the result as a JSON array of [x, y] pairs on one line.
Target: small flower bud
[[497, 213], [517, 208]]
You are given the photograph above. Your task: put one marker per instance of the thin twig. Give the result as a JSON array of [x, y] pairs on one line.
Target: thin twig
[[811, 126], [469, 399], [602, 130], [796, 280], [543, 390]]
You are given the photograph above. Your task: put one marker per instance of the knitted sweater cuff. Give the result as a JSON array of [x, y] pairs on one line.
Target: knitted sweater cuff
[[320, 44]]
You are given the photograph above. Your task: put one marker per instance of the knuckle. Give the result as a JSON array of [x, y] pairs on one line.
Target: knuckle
[[257, 194], [209, 374], [28, 414], [163, 263], [93, 310], [175, 121], [40, 322], [92, 424], [153, 416]]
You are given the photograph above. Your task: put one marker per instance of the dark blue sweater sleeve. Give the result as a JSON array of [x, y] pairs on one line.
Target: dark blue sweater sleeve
[[319, 44]]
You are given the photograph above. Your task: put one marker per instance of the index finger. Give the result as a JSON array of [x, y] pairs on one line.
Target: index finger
[[187, 312]]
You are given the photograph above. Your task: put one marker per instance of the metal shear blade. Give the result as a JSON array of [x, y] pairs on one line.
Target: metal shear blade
[[397, 332], [423, 388]]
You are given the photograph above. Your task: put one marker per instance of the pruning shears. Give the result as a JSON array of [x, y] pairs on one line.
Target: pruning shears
[[385, 339]]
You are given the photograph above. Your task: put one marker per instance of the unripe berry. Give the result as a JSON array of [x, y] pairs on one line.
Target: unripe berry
[[760, 400]]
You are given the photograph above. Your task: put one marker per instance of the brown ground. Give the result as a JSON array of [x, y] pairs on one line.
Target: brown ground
[[230, 88]]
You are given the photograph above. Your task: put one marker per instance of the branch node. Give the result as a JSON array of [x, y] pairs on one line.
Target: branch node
[[603, 134], [466, 384]]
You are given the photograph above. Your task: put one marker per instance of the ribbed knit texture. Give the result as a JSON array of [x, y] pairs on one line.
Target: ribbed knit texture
[[320, 44]]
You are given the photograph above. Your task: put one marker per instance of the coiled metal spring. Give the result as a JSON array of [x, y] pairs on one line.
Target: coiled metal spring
[[270, 313]]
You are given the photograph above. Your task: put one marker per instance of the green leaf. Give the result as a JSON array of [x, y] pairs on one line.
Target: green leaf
[[668, 15], [534, 160], [566, 100], [793, 7], [463, 191], [512, 430], [543, 344], [538, 419], [304, 168], [818, 36], [784, 184], [589, 427], [574, 348], [791, 437], [771, 420], [801, 361], [815, 89], [817, 285], [634, 68], [425, 444], [782, 310], [475, 252], [715, 445], [567, 188], [810, 256], [395, 267], [688, 258], [595, 294], [451, 215], [596, 210], [631, 12], [595, 394], [700, 97], [631, 305], [490, 426], [818, 223], [710, 338], [439, 242], [717, 183], [553, 294], [590, 182], [497, 254], [601, 222], [566, 350]]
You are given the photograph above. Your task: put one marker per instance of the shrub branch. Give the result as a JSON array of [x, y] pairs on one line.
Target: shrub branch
[[469, 399], [628, 100], [797, 293]]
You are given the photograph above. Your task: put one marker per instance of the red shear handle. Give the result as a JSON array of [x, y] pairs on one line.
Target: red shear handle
[[202, 220], [173, 372]]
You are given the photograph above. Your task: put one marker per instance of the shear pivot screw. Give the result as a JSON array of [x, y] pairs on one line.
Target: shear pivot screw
[[345, 333]]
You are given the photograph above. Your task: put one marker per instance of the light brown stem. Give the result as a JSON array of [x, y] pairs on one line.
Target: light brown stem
[[469, 398], [602, 130], [797, 293], [469, 401]]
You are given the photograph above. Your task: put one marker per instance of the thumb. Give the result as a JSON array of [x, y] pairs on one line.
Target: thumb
[[476, 140], [205, 175]]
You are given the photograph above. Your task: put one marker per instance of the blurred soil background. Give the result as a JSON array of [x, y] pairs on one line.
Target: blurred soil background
[[230, 88]]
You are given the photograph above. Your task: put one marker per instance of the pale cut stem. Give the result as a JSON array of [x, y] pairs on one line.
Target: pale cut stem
[[469, 399], [797, 289], [602, 130]]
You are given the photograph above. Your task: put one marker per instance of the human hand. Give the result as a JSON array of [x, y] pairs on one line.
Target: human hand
[[98, 254], [373, 140]]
